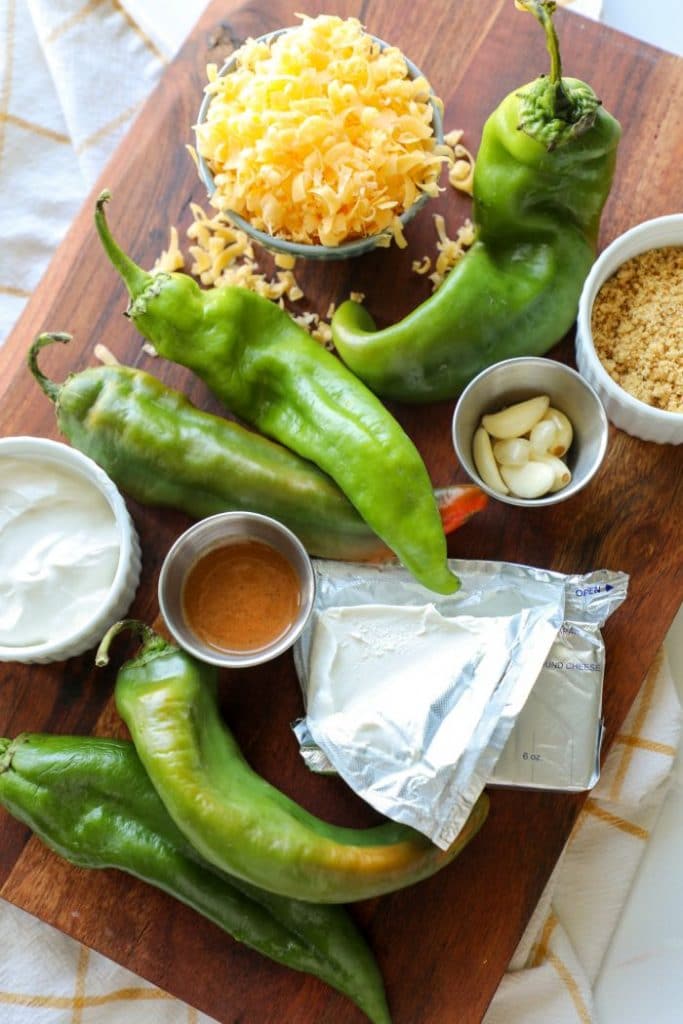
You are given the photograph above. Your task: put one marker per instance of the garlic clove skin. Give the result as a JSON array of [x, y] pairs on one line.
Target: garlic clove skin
[[517, 419]]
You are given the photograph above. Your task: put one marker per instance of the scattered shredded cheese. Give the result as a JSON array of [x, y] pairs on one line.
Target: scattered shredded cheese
[[320, 137], [221, 254], [171, 259], [461, 162], [422, 266], [450, 250], [105, 355]]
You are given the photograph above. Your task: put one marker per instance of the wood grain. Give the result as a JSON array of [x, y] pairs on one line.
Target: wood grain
[[444, 944]]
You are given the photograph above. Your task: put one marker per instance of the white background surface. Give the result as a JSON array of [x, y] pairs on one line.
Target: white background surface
[[659, 22], [641, 981]]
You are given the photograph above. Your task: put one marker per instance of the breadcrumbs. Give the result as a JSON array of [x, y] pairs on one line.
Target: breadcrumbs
[[637, 326]]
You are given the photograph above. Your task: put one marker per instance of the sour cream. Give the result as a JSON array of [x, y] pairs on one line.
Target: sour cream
[[59, 551]]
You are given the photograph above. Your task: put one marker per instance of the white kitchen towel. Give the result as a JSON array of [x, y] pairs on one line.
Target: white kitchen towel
[[554, 969], [48, 978], [73, 76]]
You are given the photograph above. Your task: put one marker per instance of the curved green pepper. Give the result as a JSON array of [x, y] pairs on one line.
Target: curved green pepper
[[90, 801], [162, 450], [234, 818], [542, 175], [269, 371]]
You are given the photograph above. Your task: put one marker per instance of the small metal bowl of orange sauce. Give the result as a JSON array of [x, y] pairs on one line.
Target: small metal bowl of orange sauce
[[236, 589]]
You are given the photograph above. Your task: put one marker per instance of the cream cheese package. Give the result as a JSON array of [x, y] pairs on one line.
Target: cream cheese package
[[555, 743], [418, 700]]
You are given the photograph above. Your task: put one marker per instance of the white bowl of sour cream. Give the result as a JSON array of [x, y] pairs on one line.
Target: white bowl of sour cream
[[69, 552]]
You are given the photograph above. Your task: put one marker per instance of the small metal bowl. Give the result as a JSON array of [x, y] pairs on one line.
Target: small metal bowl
[[215, 532], [301, 250], [515, 380]]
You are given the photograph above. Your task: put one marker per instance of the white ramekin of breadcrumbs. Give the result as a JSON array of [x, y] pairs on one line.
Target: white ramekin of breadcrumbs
[[629, 334]]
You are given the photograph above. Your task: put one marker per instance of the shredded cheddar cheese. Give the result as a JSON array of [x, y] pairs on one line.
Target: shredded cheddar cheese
[[450, 250], [460, 163], [105, 355], [221, 254], [320, 137]]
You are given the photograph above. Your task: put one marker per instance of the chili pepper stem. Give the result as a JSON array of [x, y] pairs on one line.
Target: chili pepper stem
[[543, 10], [50, 387], [6, 751], [150, 640], [135, 278]]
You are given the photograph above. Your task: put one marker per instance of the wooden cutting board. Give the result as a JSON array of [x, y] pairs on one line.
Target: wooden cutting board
[[444, 944]]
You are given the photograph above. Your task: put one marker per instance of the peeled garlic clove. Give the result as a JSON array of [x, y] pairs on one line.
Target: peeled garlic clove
[[561, 471], [517, 419], [529, 481], [542, 436], [565, 431], [482, 453], [515, 451]]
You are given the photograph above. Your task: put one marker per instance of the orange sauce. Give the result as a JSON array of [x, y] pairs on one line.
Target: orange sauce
[[241, 596]]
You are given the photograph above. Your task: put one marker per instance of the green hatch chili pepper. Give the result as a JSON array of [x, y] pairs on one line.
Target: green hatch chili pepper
[[91, 802], [269, 371], [542, 175], [162, 450], [234, 818]]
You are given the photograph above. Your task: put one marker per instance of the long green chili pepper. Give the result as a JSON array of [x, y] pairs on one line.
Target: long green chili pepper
[[234, 818], [90, 801], [270, 372], [162, 450], [542, 175]]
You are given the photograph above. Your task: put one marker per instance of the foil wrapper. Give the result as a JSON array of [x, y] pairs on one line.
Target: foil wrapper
[[412, 698]]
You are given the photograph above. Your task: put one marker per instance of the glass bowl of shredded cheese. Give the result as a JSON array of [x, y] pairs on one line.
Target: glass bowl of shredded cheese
[[320, 140]]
